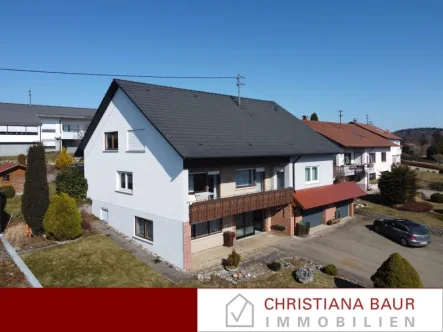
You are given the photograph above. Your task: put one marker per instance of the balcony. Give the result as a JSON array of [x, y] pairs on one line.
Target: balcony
[[228, 206], [349, 170]]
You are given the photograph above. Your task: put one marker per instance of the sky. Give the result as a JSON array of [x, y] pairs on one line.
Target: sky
[[381, 58]]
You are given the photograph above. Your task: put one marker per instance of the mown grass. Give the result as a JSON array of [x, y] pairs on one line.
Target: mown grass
[[426, 178], [93, 261], [433, 218]]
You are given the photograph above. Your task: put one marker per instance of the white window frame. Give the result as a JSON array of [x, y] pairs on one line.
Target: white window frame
[[118, 182], [310, 174], [127, 140]]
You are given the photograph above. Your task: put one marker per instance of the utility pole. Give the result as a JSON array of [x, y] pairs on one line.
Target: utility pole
[[30, 98], [239, 84], [340, 114]]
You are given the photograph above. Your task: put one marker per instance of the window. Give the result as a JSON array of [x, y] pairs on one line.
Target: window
[[400, 227], [144, 228], [6, 178], [244, 178], [72, 127], [197, 183], [311, 174], [48, 130], [371, 176], [383, 157], [124, 182], [280, 179], [347, 159], [135, 140], [111, 141], [372, 158], [205, 228]]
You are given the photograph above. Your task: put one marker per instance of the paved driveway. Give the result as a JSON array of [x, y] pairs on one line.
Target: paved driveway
[[358, 252]]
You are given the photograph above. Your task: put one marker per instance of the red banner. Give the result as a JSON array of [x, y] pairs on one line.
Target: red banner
[[147, 309]]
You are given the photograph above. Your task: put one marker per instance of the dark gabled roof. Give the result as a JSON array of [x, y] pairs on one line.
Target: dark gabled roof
[[209, 125], [23, 114]]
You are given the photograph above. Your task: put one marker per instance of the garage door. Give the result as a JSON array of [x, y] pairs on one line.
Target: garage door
[[344, 208], [314, 216]]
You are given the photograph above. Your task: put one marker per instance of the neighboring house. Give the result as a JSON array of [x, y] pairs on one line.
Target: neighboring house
[[12, 174], [365, 154], [55, 126], [173, 169], [395, 150]]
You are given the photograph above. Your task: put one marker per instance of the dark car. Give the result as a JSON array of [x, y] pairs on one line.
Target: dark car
[[407, 232]]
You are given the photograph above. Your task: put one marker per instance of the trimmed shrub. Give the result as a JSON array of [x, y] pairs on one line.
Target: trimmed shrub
[[330, 269], [35, 199], [87, 220], [234, 259], [437, 198], [62, 220], [63, 160], [436, 186], [8, 190], [396, 272], [72, 182], [416, 207], [275, 266], [399, 185], [21, 159]]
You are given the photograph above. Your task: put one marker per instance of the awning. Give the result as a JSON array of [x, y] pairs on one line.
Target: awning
[[319, 196]]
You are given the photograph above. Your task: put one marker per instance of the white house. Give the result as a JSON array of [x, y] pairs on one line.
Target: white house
[[175, 169], [54, 126], [396, 140], [364, 155]]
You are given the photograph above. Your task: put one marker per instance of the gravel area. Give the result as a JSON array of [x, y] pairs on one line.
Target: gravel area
[[10, 275]]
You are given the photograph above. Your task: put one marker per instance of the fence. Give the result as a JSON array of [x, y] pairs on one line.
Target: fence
[[432, 229]]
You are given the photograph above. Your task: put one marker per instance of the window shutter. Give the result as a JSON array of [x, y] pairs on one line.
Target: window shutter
[[135, 140]]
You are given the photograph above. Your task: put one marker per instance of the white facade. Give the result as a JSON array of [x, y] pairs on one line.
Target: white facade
[[324, 164], [160, 184], [396, 151]]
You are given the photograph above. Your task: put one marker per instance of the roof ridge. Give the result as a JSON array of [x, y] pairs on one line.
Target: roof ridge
[[33, 105], [191, 90]]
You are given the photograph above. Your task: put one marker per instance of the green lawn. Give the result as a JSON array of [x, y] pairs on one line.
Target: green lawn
[[425, 178], [433, 218], [93, 261]]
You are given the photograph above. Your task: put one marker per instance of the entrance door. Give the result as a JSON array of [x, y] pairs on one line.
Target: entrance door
[[258, 220], [244, 224], [344, 208]]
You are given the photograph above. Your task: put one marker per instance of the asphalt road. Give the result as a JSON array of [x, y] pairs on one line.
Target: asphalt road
[[358, 252]]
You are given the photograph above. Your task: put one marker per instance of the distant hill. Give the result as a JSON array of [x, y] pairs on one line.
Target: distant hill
[[418, 136]]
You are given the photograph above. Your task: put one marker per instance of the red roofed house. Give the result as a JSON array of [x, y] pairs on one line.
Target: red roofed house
[[12, 174], [365, 154]]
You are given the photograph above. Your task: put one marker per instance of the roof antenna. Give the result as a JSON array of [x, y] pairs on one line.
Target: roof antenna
[[239, 84], [340, 114], [30, 98], [367, 118]]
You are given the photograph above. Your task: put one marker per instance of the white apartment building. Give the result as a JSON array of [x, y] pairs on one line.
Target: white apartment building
[[54, 126]]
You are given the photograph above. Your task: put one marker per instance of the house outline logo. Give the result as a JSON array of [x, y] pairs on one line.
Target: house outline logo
[[243, 316]]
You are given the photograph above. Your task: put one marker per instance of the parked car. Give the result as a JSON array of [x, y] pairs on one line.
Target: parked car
[[407, 232]]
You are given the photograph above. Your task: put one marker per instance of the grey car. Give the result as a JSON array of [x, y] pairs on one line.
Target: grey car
[[407, 232]]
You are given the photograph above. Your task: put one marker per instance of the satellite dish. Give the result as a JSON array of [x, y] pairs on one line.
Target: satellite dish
[[57, 137]]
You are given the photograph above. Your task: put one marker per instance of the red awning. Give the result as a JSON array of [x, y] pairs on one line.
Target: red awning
[[319, 196]]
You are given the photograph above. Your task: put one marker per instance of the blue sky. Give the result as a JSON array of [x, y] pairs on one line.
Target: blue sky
[[384, 58]]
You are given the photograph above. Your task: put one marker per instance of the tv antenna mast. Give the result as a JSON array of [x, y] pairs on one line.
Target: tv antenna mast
[[239, 84]]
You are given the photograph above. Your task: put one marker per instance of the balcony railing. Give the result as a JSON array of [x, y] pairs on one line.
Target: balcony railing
[[349, 170], [228, 206]]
